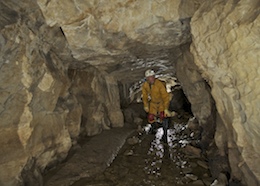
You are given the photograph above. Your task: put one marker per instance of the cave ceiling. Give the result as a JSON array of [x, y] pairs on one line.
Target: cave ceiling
[[122, 38]]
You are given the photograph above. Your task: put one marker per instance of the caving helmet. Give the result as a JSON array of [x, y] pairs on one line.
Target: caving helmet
[[149, 73]]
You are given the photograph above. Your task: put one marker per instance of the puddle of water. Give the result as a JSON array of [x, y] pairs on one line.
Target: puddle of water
[[152, 162]]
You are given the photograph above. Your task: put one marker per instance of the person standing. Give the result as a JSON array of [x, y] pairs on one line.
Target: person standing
[[156, 99]]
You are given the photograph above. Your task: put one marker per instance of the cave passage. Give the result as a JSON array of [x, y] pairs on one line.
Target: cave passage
[[146, 160], [70, 106], [143, 158]]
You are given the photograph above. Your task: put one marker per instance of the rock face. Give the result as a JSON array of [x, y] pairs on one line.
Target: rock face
[[122, 34], [40, 117], [99, 96], [227, 51], [198, 93], [33, 79], [107, 26]]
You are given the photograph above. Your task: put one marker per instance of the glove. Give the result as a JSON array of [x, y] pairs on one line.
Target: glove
[[146, 109], [167, 113], [173, 113]]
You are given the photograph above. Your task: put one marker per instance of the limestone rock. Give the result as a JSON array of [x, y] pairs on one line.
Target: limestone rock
[[226, 51], [73, 121], [34, 82], [116, 32], [117, 21], [198, 93], [191, 176], [99, 97], [138, 121], [192, 150], [193, 124], [128, 115], [220, 181], [203, 164], [197, 183], [133, 140]]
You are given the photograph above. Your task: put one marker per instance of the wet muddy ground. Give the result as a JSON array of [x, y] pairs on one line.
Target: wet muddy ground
[[146, 160]]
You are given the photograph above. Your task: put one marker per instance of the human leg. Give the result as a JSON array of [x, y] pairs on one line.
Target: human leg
[[152, 116]]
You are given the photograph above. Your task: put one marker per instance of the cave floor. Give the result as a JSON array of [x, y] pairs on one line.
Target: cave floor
[[143, 160]]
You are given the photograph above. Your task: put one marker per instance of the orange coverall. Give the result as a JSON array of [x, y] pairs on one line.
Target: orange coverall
[[156, 98]]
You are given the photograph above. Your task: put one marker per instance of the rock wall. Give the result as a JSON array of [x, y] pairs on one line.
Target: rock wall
[[120, 35], [40, 118], [226, 48], [206, 119], [107, 25], [32, 79], [99, 96], [198, 93]]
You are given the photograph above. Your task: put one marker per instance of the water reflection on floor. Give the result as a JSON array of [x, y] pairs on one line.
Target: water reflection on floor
[[152, 162]]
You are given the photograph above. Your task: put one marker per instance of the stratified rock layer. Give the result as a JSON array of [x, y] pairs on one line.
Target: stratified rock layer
[[99, 96], [226, 47], [40, 117], [122, 35], [96, 28], [33, 79]]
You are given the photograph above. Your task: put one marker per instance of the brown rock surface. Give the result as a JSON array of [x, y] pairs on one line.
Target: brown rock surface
[[226, 51], [99, 96], [39, 117]]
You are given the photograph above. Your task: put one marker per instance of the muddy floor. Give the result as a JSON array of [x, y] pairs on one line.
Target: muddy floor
[[146, 160]]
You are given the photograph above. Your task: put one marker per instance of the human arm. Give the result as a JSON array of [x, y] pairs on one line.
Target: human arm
[[145, 98], [165, 96]]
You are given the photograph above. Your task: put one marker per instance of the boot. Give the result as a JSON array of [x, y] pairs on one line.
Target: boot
[[165, 128], [153, 128]]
